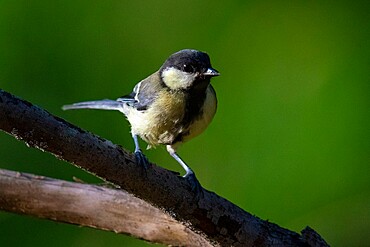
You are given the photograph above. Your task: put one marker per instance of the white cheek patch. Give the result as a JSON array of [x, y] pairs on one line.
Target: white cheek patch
[[177, 79]]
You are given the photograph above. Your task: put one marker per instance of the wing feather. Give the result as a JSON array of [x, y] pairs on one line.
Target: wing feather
[[144, 93]]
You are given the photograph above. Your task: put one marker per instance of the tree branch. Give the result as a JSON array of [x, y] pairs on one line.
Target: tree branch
[[92, 206], [220, 220]]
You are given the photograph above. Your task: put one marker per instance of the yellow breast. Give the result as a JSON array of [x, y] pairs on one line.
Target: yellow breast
[[161, 122], [157, 124]]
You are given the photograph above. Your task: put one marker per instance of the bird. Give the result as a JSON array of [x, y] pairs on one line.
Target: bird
[[171, 106]]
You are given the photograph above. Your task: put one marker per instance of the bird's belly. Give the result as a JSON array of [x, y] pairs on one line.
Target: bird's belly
[[159, 124], [162, 123]]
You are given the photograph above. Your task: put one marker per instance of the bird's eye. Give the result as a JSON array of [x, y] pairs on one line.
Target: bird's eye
[[188, 68]]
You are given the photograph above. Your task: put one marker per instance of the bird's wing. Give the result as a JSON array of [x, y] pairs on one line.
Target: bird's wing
[[144, 93]]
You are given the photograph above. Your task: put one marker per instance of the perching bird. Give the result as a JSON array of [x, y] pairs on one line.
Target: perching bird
[[171, 106]]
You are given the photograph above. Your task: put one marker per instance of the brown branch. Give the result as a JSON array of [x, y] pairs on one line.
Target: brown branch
[[220, 220], [92, 206]]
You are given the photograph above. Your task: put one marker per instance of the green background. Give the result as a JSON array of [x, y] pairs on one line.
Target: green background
[[290, 141]]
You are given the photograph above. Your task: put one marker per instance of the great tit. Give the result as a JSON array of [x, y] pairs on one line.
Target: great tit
[[171, 106]]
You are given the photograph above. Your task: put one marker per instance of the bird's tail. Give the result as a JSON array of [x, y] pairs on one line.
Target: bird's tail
[[105, 104]]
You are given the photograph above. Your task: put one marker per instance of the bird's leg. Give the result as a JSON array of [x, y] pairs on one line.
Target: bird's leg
[[189, 175], [140, 157]]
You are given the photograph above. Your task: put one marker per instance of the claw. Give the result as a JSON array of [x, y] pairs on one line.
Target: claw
[[190, 177], [194, 184], [141, 159]]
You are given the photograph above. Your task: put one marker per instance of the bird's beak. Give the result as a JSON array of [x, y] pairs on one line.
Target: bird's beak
[[211, 72]]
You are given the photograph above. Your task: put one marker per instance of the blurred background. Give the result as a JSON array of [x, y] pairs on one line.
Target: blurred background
[[290, 141]]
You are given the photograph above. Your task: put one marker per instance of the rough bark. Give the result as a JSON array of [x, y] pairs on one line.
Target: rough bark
[[220, 220]]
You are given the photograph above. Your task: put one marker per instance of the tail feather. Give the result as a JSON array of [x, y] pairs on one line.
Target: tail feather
[[105, 104]]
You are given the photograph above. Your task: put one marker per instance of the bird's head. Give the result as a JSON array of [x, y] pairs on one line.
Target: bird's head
[[187, 69]]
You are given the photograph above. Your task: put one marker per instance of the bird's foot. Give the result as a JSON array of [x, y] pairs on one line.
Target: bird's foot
[[141, 159], [194, 184]]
